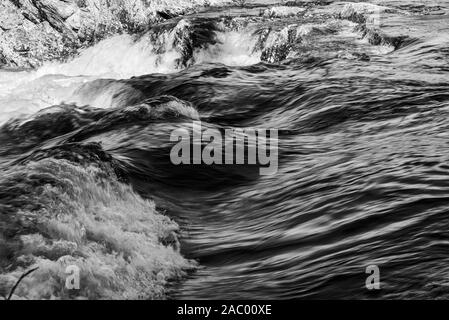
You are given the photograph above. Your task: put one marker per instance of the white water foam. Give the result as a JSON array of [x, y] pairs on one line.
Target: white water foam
[[234, 48], [122, 246], [118, 57]]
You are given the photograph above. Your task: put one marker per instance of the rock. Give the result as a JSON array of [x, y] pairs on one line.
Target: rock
[[28, 10], [2, 60], [74, 21], [9, 16], [27, 47], [277, 45], [164, 14], [62, 8], [51, 14]]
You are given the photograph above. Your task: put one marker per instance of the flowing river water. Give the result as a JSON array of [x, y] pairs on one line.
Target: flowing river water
[[359, 94]]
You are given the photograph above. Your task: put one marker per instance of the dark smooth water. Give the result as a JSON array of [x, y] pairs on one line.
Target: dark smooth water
[[362, 112]]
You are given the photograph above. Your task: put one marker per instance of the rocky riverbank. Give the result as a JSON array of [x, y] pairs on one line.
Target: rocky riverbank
[[33, 31]]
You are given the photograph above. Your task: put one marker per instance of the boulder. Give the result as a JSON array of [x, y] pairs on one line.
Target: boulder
[[9, 16], [62, 8], [28, 10], [74, 21]]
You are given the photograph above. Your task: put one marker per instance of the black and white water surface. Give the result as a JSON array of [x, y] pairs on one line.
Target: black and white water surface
[[360, 95]]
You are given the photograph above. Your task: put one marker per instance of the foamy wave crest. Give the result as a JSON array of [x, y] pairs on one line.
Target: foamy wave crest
[[118, 57], [58, 213], [233, 48], [362, 8], [282, 11]]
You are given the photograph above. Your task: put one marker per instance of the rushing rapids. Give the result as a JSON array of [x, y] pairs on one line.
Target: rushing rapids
[[359, 93]]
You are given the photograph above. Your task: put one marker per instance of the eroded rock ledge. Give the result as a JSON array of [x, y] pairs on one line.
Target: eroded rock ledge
[[33, 31]]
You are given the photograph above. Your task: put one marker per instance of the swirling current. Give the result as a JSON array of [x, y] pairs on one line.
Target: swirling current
[[359, 94]]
